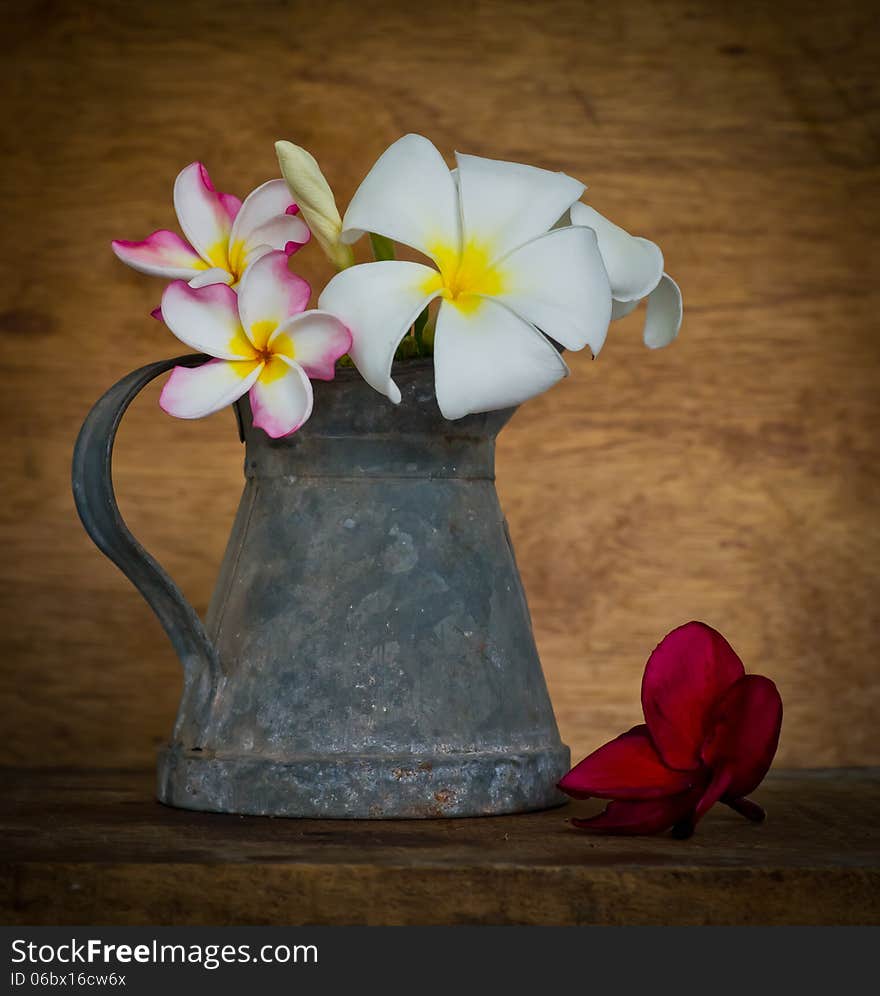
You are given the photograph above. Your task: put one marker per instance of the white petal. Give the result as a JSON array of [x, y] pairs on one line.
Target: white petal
[[663, 319], [408, 196], [488, 358], [193, 392], [558, 282], [315, 339], [261, 205], [215, 275], [378, 302], [203, 213], [281, 399], [634, 264], [620, 309], [504, 205], [268, 294], [206, 318]]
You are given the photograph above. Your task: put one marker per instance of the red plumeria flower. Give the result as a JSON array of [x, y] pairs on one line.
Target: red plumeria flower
[[710, 735]]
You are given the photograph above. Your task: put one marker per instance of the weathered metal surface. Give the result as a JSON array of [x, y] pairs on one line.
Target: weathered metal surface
[[372, 648]]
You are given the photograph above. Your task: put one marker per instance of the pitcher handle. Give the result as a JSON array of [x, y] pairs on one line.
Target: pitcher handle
[[96, 504]]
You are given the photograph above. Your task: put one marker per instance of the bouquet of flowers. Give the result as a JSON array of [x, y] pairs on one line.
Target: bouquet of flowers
[[517, 269]]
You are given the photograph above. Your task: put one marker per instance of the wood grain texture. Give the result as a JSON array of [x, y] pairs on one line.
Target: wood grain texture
[[92, 847], [731, 478]]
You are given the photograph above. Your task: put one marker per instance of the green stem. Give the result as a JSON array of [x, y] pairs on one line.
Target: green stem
[[419, 331], [383, 249]]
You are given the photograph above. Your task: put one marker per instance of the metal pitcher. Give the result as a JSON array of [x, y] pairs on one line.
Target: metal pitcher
[[368, 651]]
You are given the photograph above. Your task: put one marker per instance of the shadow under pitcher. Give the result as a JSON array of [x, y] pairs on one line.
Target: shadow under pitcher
[[368, 651]]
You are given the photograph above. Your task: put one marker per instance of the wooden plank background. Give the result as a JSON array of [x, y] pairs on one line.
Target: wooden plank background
[[731, 478]]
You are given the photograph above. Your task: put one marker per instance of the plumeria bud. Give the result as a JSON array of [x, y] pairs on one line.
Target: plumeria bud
[[315, 199]]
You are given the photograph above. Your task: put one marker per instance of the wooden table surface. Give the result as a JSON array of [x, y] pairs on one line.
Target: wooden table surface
[[733, 477], [92, 847]]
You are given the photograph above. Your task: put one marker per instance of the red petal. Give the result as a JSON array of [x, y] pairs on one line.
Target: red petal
[[643, 816], [628, 767], [744, 734], [685, 676], [751, 810]]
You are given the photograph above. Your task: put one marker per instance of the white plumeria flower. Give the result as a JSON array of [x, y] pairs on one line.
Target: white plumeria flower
[[262, 340], [635, 270], [501, 275], [225, 234]]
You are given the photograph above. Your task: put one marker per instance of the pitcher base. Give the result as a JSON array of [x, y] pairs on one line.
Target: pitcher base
[[364, 786]]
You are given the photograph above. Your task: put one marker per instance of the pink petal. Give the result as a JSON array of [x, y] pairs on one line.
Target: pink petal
[[281, 399], [206, 318], [284, 233], [193, 392], [162, 254], [744, 734], [685, 676], [628, 767], [204, 214], [315, 339], [643, 816], [288, 232], [157, 314], [231, 204], [270, 200], [268, 294]]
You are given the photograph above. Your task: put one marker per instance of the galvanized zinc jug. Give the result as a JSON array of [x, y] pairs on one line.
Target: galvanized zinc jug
[[368, 651]]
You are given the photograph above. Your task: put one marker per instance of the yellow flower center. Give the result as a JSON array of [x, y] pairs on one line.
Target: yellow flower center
[[256, 349], [229, 256], [465, 278], [236, 259]]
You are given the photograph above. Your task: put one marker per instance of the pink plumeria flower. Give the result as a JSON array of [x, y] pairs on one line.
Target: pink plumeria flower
[[225, 235], [263, 342]]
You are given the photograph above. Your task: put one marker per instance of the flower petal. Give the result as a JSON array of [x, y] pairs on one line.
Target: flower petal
[[628, 767], [558, 283], [746, 807], [688, 672], [262, 204], [663, 319], [288, 233], [204, 214], [642, 816], [213, 275], [486, 357], [268, 294], [378, 302], [193, 392], [267, 218], [408, 196], [634, 265], [281, 399], [744, 734], [315, 339], [206, 318], [620, 309], [162, 254], [504, 205]]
